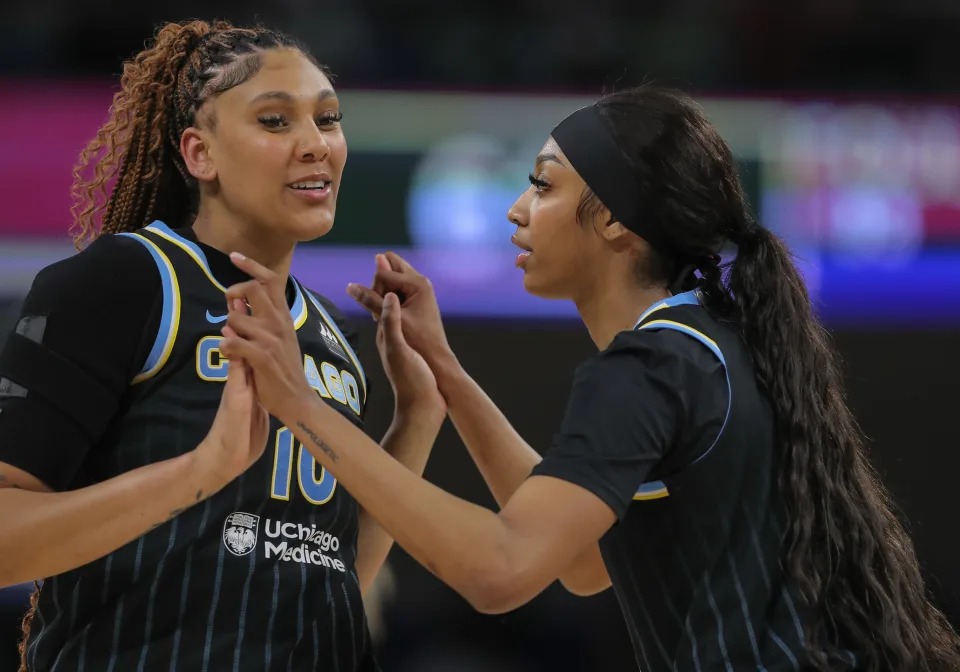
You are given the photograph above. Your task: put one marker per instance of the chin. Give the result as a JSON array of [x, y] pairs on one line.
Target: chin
[[306, 229], [542, 290]]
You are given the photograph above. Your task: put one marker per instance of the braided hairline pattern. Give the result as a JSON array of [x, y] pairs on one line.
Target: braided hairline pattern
[[162, 89]]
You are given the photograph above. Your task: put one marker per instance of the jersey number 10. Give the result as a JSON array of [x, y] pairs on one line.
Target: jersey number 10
[[315, 490]]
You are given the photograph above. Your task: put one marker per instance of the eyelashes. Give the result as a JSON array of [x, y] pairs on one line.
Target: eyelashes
[[280, 121], [539, 183], [327, 119]]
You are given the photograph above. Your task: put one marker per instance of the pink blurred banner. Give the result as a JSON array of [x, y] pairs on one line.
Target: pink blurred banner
[[839, 175], [44, 126]]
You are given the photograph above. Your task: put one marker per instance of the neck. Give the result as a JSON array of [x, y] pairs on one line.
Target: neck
[[228, 234], [609, 312]]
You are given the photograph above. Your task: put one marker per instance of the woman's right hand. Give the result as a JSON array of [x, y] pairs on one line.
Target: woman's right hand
[[239, 432], [422, 326]]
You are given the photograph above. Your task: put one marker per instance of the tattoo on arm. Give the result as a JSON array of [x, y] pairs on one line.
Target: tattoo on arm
[[320, 444], [177, 512], [173, 514]]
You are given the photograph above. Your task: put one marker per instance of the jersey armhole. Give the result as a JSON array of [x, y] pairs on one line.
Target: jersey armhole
[[170, 315]]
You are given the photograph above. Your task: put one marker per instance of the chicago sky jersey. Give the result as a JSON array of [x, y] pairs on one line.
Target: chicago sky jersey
[[260, 576], [695, 562]]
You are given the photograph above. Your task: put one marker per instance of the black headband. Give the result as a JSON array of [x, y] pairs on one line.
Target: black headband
[[589, 145]]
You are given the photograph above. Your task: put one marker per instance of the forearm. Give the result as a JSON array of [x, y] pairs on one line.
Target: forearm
[[408, 440], [44, 534], [464, 545], [504, 459]]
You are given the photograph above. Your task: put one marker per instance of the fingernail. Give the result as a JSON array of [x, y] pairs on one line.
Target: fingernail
[[236, 256], [353, 290]]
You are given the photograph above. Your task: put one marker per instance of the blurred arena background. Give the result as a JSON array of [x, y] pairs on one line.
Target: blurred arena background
[[844, 115]]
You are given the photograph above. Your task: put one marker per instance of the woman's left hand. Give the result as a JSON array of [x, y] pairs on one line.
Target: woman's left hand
[[265, 338], [414, 385]]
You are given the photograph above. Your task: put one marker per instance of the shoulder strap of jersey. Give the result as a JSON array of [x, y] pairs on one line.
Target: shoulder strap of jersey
[[164, 236], [686, 299], [169, 237], [170, 315]]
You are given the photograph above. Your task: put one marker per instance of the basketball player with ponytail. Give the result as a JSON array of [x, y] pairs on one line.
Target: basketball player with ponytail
[[707, 465], [134, 479]]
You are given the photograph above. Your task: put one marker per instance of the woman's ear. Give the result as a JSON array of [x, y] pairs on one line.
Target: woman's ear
[[197, 155], [613, 230]]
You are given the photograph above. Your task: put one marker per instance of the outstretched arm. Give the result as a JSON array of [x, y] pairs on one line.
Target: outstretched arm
[[506, 460], [408, 441], [495, 561]]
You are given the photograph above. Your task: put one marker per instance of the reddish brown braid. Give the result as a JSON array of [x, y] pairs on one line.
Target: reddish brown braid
[[161, 90], [27, 621]]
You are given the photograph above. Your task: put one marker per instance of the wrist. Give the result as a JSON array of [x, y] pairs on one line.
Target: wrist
[[199, 472], [297, 408], [417, 421], [446, 369], [422, 407]]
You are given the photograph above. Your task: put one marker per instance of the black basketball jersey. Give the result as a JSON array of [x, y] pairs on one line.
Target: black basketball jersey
[[258, 577], [695, 561]]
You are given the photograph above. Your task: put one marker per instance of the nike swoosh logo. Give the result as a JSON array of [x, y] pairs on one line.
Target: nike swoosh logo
[[213, 319]]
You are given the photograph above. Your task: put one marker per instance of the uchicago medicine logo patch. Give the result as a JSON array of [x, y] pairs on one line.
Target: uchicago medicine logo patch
[[240, 532]]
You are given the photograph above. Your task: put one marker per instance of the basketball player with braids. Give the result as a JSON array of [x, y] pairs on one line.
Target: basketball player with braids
[[165, 537], [707, 465]]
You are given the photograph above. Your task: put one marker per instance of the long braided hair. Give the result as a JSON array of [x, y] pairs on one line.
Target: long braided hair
[[132, 171], [161, 92], [844, 552]]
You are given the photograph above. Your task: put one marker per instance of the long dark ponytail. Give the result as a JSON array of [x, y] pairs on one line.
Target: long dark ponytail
[[849, 557], [845, 554]]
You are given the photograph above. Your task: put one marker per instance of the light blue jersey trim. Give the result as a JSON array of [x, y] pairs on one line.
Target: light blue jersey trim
[[298, 311], [169, 317], [651, 490], [686, 299], [187, 246]]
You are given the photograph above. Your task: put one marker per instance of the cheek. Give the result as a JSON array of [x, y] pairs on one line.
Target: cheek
[[254, 165], [554, 229], [269, 153], [338, 149]]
